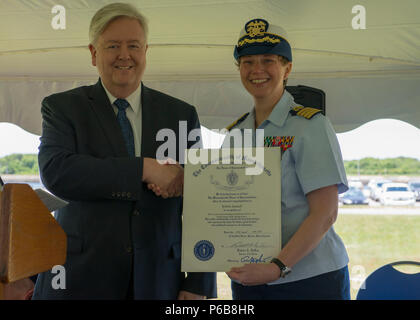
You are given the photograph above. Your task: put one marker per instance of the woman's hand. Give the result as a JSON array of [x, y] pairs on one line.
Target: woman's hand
[[255, 273]]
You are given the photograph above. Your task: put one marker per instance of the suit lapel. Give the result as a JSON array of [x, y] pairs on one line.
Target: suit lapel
[[107, 119]]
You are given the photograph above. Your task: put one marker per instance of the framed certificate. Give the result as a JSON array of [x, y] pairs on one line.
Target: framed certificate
[[231, 217]]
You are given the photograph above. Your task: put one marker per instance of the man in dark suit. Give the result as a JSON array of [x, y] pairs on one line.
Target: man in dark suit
[[98, 151]]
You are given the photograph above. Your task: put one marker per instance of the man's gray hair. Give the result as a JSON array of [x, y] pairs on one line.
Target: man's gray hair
[[104, 16]]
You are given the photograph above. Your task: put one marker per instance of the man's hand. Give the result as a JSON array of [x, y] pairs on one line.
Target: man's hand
[[185, 295], [175, 188], [165, 179], [19, 290]]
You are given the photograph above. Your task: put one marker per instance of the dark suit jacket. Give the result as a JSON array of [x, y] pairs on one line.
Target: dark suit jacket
[[115, 226]]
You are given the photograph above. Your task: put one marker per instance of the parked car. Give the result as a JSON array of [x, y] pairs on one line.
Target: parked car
[[415, 187], [397, 194], [353, 196], [376, 187], [367, 191]]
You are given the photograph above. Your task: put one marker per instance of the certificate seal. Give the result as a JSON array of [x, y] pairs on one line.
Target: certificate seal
[[204, 250], [232, 178]]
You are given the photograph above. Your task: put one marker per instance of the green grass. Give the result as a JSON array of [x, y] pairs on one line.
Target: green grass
[[375, 240], [371, 241]]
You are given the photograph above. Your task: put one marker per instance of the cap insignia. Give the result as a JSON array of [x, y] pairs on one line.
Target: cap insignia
[[256, 27], [257, 33]]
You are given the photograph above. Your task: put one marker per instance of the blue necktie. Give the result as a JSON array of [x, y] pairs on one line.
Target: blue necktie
[[125, 125]]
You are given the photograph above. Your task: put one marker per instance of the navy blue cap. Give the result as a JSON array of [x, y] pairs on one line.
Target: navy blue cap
[[259, 37]]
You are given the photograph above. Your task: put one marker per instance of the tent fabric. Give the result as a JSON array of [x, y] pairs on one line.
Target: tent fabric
[[367, 74], [220, 102]]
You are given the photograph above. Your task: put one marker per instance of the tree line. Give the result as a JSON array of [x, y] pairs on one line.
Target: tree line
[[27, 164], [23, 164], [389, 166]]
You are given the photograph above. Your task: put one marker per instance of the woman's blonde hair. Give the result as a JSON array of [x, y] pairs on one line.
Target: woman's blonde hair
[[109, 13]]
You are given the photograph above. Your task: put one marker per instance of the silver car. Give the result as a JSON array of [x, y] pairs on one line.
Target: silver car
[[415, 187]]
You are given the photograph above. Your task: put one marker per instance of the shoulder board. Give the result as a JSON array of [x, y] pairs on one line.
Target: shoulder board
[[242, 118], [305, 112]]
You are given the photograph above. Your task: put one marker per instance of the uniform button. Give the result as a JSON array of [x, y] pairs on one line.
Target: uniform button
[[129, 249], [136, 212]]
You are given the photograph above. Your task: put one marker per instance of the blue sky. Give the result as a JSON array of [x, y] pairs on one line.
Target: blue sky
[[385, 138]]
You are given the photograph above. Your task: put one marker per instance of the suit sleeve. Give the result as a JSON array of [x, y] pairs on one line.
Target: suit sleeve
[[75, 176]]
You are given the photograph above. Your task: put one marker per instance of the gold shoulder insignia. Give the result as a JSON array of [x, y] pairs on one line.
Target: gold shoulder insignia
[[305, 112], [242, 118]]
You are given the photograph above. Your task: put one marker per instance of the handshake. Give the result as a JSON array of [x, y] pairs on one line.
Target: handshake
[[164, 178]]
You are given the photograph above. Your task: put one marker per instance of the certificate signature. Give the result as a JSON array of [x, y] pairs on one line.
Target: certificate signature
[[257, 259]]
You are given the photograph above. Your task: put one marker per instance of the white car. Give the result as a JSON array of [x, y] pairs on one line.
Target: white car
[[376, 188], [397, 194]]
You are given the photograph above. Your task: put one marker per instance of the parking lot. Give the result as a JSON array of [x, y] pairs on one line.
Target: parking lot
[[379, 195], [374, 207]]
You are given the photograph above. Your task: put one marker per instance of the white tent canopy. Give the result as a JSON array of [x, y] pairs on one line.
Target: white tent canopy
[[367, 74]]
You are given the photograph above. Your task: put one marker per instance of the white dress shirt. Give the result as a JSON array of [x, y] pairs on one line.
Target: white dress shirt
[[133, 114]]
